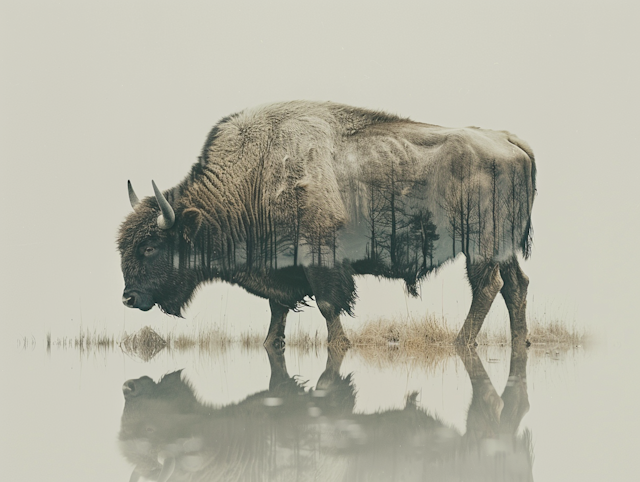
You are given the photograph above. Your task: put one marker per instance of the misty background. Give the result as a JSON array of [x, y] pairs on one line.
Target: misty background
[[95, 93]]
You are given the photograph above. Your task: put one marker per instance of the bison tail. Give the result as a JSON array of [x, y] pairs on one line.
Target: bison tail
[[527, 240], [527, 237]]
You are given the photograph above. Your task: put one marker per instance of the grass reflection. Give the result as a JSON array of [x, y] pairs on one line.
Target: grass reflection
[[384, 341]]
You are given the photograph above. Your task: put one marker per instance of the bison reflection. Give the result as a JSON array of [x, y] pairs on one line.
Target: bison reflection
[[292, 200], [291, 433]]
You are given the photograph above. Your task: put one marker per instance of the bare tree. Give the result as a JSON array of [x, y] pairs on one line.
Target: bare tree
[[461, 204], [514, 203], [495, 205], [424, 234], [374, 213]]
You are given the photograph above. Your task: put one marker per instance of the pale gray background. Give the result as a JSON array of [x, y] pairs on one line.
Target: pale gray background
[[95, 93]]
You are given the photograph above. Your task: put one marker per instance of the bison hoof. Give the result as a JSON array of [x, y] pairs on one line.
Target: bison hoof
[[518, 341], [276, 343]]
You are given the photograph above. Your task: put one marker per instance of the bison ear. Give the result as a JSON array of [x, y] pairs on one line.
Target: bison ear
[[192, 221]]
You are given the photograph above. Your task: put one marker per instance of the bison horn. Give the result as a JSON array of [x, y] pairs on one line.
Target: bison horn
[[135, 475], [168, 217], [167, 469], [133, 199]]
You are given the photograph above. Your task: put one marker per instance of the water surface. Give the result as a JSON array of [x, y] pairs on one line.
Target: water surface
[[240, 414]]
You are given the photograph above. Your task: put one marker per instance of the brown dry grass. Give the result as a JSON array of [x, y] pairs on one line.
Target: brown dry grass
[[386, 342], [145, 344], [426, 342], [380, 341], [306, 342], [430, 332], [214, 339], [410, 334], [557, 333], [250, 340], [84, 340]]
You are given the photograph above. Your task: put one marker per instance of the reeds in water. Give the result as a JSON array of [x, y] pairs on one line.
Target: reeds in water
[[410, 334], [385, 337], [144, 344], [84, 340]]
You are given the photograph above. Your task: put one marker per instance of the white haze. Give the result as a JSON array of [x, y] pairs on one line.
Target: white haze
[[95, 93]]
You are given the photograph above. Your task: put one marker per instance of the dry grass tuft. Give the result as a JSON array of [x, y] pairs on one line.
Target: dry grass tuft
[[205, 341], [83, 341], [98, 340], [144, 344], [500, 336], [422, 342], [428, 340], [557, 333], [250, 340], [383, 341], [411, 334], [305, 342]]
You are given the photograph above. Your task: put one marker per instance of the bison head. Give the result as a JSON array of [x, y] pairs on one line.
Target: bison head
[[158, 255]]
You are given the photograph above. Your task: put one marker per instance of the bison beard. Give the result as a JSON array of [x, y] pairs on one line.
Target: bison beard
[[173, 306], [291, 200], [175, 293]]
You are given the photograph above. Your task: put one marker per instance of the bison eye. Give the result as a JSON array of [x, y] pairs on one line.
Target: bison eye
[[149, 250]]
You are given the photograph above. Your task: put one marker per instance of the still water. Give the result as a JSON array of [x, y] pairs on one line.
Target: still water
[[238, 414]]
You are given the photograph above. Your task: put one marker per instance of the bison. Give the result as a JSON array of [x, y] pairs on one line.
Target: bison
[[290, 432], [291, 200]]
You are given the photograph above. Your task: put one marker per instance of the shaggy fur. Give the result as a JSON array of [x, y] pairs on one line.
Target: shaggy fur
[[297, 186]]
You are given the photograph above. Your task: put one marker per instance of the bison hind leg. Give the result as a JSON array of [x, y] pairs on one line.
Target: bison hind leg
[[514, 293], [484, 278]]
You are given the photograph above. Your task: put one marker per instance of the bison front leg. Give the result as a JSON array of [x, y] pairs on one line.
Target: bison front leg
[[514, 293], [334, 291], [485, 281], [275, 336], [336, 335]]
